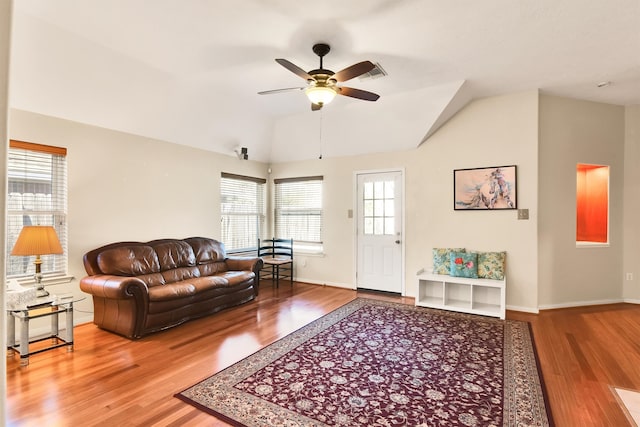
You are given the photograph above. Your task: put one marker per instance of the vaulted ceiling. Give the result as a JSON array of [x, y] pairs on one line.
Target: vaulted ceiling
[[188, 71]]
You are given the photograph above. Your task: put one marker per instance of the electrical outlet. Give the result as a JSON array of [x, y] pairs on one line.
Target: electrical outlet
[[629, 276], [523, 213]]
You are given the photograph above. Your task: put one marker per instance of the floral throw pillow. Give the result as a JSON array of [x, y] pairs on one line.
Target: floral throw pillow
[[442, 260], [464, 264], [491, 265]]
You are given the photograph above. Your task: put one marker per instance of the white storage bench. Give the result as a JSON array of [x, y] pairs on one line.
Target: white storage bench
[[485, 297]]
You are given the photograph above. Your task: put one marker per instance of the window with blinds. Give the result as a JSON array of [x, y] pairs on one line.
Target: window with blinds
[[36, 195], [242, 211], [298, 212]]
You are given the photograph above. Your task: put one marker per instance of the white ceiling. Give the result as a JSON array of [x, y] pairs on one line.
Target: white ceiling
[[188, 71]]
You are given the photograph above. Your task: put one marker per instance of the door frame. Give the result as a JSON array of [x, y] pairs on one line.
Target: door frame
[[354, 214]]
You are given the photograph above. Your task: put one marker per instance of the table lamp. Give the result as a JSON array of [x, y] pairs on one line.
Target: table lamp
[[37, 240]]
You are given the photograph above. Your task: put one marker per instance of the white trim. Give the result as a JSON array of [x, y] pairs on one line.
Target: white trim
[[583, 245], [532, 310], [324, 283], [631, 300], [47, 280], [579, 304]]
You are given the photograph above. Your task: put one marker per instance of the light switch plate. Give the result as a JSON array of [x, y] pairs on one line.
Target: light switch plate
[[523, 213]]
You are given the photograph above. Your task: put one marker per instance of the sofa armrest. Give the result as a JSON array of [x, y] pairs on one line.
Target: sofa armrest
[[248, 264], [244, 263], [115, 287]]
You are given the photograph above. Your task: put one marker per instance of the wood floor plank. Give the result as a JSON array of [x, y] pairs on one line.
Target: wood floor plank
[[109, 380]]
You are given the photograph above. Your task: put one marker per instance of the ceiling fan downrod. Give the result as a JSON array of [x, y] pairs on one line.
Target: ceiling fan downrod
[[321, 49]]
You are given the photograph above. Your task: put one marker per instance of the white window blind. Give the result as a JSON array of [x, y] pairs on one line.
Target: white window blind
[[242, 211], [298, 211], [36, 195]]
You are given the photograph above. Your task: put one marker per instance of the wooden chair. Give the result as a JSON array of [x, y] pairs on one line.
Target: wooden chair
[[277, 258]]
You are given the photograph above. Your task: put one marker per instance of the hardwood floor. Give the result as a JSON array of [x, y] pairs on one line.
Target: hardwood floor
[[109, 380], [583, 353]]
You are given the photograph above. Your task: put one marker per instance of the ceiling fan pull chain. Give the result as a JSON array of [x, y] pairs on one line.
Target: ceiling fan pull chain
[[321, 115]]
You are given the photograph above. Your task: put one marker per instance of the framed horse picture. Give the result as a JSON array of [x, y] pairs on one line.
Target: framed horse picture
[[485, 188]]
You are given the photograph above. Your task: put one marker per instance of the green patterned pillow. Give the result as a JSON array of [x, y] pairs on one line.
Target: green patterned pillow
[[441, 260], [464, 264], [491, 265]]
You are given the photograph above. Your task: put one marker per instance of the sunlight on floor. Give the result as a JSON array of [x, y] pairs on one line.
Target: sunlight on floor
[[631, 402]]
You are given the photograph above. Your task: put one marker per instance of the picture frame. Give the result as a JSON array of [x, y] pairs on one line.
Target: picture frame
[[488, 188]]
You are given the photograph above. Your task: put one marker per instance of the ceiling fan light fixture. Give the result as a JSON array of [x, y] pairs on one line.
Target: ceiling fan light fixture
[[320, 95]]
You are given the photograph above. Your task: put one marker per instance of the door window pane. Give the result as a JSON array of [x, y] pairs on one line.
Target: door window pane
[[378, 208]]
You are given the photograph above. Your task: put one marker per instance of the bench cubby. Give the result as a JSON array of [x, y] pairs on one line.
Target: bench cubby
[[486, 297]]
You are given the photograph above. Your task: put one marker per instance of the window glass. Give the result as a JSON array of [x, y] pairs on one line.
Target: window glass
[[298, 212], [242, 211], [378, 208]]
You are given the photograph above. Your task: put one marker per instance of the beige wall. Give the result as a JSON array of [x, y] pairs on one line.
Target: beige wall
[[631, 221], [127, 187], [488, 132], [571, 132]]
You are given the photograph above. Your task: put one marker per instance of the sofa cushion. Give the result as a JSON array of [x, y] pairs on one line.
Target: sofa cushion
[[212, 268], [172, 291], [153, 279], [235, 277], [174, 254], [186, 288], [129, 261], [179, 274], [464, 264], [206, 250]]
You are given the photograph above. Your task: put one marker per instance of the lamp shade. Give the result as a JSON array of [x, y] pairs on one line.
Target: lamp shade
[[320, 95], [37, 240]]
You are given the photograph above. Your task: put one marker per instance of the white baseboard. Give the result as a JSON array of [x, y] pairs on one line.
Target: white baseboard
[[579, 304], [334, 284], [523, 309], [632, 300]]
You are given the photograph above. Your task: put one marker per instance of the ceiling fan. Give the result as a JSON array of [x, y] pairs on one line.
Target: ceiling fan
[[322, 84]]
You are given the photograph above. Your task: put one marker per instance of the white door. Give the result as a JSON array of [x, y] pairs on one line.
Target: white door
[[379, 231]]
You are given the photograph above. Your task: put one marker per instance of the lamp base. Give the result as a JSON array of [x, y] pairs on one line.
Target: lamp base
[[41, 292]]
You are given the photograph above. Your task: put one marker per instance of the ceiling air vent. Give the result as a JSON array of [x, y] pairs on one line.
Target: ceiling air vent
[[376, 73]]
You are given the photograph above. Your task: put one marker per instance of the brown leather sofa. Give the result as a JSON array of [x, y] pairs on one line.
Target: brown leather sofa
[[140, 288]]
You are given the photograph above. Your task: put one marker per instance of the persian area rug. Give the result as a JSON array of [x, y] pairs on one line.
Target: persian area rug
[[376, 363]]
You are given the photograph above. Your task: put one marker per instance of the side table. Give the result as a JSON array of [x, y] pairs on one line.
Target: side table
[[50, 306]]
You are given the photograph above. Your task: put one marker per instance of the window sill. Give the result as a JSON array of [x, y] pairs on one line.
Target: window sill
[[46, 280], [583, 245]]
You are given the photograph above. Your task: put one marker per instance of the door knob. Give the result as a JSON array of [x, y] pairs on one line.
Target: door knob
[[397, 242]]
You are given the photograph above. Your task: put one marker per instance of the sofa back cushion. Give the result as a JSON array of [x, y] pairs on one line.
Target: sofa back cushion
[[173, 254], [129, 261], [210, 255], [206, 250], [160, 261]]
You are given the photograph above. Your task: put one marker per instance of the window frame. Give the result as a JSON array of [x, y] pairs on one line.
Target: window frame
[[259, 213], [22, 158], [300, 245]]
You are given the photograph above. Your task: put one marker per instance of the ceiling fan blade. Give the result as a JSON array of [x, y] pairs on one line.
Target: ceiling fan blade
[[353, 71], [294, 68], [288, 89], [315, 107], [358, 93]]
